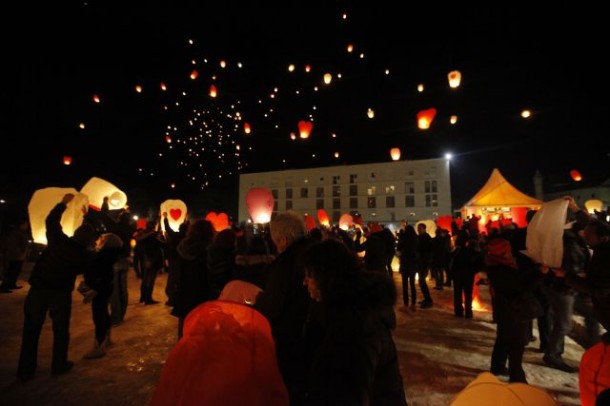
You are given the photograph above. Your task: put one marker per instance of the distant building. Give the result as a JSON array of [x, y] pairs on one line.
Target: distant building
[[581, 192], [382, 192]]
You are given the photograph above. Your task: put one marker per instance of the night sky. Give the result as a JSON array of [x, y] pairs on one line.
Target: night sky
[[182, 143]]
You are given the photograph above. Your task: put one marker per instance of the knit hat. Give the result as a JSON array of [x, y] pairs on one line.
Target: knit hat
[[499, 252]]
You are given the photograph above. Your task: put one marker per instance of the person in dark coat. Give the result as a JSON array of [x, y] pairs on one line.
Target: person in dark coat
[[192, 286], [172, 239], [221, 261], [408, 257], [354, 360], [99, 276], [152, 244], [17, 244], [467, 261], [253, 265], [424, 249], [374, 247], [285, 301], [51, 285]]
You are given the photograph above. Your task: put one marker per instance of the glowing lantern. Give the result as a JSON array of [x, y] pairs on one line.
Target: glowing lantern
[[168, 139], [163, 87], [220, 221], [370, 113], [67, 160], [141, 224], [194, 74], [247, 128], [444, 222], [526, 114], [453, 119], [81, 126], [593, 205], [455, 77], [176, 213], [420, 87], [223, 64], [293, 136], [328, 78], [395, 154], [430, 227], [310, 223], [307, 68], [139, 89], [336, 155], [96, 98], [350, 48], [425, 117], [576, 175], [323, 218], [213, 91], [346, 221], [260, 202], [291, 68], [43, 201], [305, 129], [96, 189]]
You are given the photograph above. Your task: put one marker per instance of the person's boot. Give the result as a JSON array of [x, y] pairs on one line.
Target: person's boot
[[98, 350]]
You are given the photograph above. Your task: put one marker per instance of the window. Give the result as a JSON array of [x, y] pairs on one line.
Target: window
[[320, 191], [389, 201], [372, 175], [319, 203], [353, 178], [336, 216], [409, 201], [288, 204], [336, 203], [434, 201], [389, 190], [427, 186], [428, 200], [371, 190], [433, 186], [409, 188], [371, 202], [353, 202], [353, 190], [336, 179], [274, 193], [336, 191], [289, 193], [304, 192], [431, 198]]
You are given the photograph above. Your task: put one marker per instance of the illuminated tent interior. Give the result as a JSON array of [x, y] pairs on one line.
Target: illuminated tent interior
[[499, 199]]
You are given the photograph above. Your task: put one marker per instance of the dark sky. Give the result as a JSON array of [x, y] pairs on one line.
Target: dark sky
[[551, 61]]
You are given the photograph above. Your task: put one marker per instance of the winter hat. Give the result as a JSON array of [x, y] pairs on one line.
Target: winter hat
[[499, 252]]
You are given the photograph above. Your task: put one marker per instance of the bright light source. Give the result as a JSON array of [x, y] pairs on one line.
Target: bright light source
[[448, 155]]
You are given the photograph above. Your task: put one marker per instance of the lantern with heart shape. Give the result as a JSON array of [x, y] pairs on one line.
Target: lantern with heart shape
[[41, 203], [220, 221], [176, 213], [260, 203], [305, 129]]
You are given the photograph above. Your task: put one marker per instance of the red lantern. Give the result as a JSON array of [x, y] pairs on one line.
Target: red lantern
[[96, 98], [395, 154], [141, 224], [346, 221], [425, 117], [444, 222], [575, 175], [305, 129], [219, 221], [260, 202], [310, 223], [247, 128], [67, 160], [323, 218], [163, 86], [213, 91], [194, 74]]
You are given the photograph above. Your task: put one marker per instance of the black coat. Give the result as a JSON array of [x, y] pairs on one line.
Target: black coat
[[100, 272], [192, 280]]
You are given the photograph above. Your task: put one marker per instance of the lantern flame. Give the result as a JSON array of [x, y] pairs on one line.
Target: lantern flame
[[395, 154], [425, 117]]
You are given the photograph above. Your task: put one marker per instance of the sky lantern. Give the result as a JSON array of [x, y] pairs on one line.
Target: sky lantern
[[305, 129], [291, 68], [176, 213], [420, 87], [293, 136], [593, 205], [425, 117], [96, 189], [194, 74], [67, 160], [213, 91], [576, 176], [138, 88], [346, 221], [163, 87], [526, 113], [247, 128], [41, 203], [260, 203], [307, 68], [310, 223], [81, 126], [453, 119], [168, 139], [350, 48], [395, 154], [96, 98], [455, 77], [328, 78], [223, 64], [220, 221], [336, 154], [370, 113], [323, 218]]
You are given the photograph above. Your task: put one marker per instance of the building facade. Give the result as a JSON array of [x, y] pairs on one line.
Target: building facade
[[381, 192]]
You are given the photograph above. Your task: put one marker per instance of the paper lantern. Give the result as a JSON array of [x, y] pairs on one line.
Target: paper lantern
[[220, 221], [141, 223], [307, 68], [395, 154], [213, 91], [96, 189], [163, 86], [223, 64], [96, 98], [346, 221], [291, 68], [305, 129], [67, 160], [176, 213], [593, 205], [41, 203], [328, 78], [194, 74], [444, 222], [430, 227], [544, 239], [260, 202], [425, 117], [247, 128], [455, 77], [576, 175], [453, 119], [138, 88], [323, 218], [370, 113], [420, 87], [310, 223], [350, 48]]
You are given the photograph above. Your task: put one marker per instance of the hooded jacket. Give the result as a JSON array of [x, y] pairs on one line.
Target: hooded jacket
[[192, 285]]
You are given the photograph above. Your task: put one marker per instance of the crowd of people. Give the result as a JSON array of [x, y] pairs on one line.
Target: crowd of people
[[327, 294]]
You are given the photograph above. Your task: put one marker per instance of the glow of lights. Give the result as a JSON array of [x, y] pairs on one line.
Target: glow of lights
[[425, 117], [305, 128], [362, 55], [448, 156], [333, 135], [247, 128], [593, 205], [291, 68], [173, 186], [139, 89], [275, 89], [328, 78], [336, 155], [163, 87], [370, 113], [96, 98], [576, 176], [454, 77], [453, 119], [67, 160], [223, 64], [339, 75], [315, 88], [420, 87], [293, 136], [81, 126], [240, 65], [344, 16], [395, 154], [526, 114], [350, 48], [194, 74], [213, 91], [387, 71], [191, 42], [307, 68]]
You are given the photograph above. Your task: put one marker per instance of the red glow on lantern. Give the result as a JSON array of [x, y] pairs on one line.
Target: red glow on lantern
[[220, 221], [310, 223], [576, 175], [323, 218], [213, 91], [395, 154], [194, 74], [425, 117], [260, 202], [247, 128], [96, 98], [67, 160], [305, 129]]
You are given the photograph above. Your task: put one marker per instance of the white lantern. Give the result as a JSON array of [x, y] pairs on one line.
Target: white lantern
[[96, 189], [176, 213]]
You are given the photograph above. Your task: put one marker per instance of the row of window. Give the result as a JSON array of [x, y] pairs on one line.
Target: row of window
[[430, 186], [429, 172], [371, 202]]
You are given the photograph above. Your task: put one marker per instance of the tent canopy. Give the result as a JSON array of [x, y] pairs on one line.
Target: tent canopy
[[497, 192]]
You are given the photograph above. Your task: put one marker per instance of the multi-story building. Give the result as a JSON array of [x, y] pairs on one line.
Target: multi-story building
[[383, 192]]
